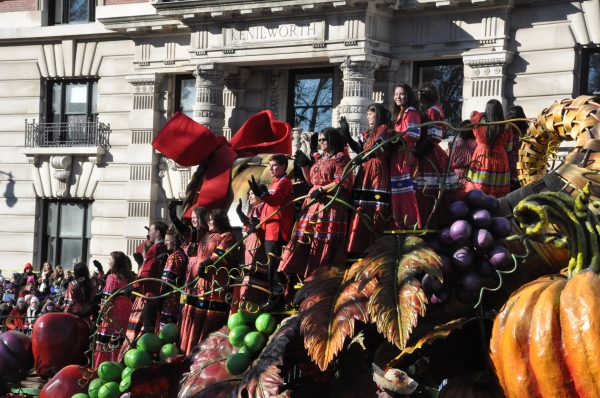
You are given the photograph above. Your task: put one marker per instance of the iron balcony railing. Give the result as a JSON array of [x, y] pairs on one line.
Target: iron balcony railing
[[52, 135]]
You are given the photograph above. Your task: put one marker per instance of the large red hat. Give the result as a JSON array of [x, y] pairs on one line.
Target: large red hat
[[263, 134], [185, 141]]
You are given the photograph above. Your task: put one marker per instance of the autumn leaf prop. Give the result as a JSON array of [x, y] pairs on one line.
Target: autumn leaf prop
[[397, 298], [329, 307], [380, 289], [263, 379], [207, 372]]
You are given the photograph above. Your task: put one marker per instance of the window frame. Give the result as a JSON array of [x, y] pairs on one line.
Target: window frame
[[417, 65], [585, 71], [291, 111], [91, 4], [44, 236], [177, 101]]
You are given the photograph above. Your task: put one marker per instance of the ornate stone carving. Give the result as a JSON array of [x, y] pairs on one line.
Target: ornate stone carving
[[62, 167], [210, 77], [210, 114], [351, 109], [275, 94], [359, 69]]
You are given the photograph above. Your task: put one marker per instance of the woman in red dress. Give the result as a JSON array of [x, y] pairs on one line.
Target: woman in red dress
[[403, 161], [433, 163], [462, 151], [205, 309], [490, 170], [174, 273], [371, 190], [80, 292], [320, 235], [115, 314]]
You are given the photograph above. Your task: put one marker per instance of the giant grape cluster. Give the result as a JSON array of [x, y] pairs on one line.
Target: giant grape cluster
[[470, 249]]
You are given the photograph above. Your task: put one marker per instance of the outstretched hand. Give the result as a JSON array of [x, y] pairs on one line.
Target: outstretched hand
[[240, 213], [172, 211], [344, 125], [301, 159], [98, 266], [255, 188]]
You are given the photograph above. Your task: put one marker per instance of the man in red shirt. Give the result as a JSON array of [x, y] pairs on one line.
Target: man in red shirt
[[277, 228]]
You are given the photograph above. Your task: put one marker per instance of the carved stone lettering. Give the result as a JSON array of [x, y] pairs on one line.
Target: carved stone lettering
[[283, 32]]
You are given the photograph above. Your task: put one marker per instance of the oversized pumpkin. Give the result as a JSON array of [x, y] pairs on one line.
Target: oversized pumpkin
[[466, 387], [546, 340]]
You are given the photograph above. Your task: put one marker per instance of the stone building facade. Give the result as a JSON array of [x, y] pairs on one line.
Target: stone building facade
[[85, 87]]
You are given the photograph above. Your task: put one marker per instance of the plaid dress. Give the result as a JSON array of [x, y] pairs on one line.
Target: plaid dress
[[490, 172], [320, 235], [371, 194], [174, 273]]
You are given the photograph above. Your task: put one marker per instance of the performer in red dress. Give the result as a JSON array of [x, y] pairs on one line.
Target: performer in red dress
[[115, 314], [433, 163], [462, 151], [208, 312], [371, 190], [403, 161], [277, 228], [320, 235], [174, 273], [490, 170]]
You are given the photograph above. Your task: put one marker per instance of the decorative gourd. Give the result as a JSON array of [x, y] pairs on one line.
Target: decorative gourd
[[546, 339], [465, 387]]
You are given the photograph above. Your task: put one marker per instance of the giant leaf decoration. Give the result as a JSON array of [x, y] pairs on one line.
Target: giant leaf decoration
[[263, 379], [330, 305], [397, 298], [208, 373]]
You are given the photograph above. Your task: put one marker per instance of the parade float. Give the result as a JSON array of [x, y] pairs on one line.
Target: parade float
[[503, 302]]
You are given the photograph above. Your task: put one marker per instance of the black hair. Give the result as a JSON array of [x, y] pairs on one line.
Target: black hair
[[201, 213], [122, 269], [516, 112], [161, 227], [493, 113], [220, 220], [382, 116], [428, 94], [81, 271], [334, 138], [466, 135]]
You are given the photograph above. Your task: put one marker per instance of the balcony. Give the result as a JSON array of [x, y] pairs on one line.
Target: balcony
[[89, 139]]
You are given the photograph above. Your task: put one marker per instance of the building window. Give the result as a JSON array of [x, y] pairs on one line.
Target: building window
[[185, 94], [71, 11], [448, 76], [66, 231], [312, 102], [590, 76], [73, 103]]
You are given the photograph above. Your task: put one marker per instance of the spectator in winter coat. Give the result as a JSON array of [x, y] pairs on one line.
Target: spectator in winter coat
[[16, 318]]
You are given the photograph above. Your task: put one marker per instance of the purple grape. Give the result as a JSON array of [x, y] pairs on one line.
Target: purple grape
[[459, 210], [461, 231], [462, 259], [445, 238], [482, 239], [466, 297], [440, 297], [446, 266], [500, 258], [500, 227], [431, 285], [484, 268], [475, 198], [436, 245], [470, 281], [481, 218], [491, 204]]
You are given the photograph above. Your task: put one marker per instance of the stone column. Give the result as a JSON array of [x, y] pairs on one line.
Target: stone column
[[385, 81], [358, 93], [209, 109], [235, 102], [141, 190]]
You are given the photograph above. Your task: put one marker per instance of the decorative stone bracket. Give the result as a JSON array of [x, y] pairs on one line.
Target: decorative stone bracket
[[175, 178]]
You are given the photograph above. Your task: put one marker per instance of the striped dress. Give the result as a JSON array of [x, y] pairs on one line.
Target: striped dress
[[111, 332], [371, 194], [207, 313], [174, 273], [490, 173], [403, 169], [432, 171], [320, 235]]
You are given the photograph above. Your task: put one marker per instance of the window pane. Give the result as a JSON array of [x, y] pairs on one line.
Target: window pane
[[56, 99], [52, 219], [593, 83], [449, 80], [51, 252], [95, 97], [71, 220], [58, 11], [313, 101], [88, 222], [78, 10], [76, 98], [188, 96], [70, 252]]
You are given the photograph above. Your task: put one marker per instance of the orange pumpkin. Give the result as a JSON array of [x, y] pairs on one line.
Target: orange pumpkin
[[465, 387], [546, 339]]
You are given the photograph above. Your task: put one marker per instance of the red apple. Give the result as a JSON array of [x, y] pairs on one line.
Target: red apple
[[16, 357], [59, 340], [71, 380]]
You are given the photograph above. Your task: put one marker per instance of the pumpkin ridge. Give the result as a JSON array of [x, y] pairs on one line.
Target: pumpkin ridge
[[514, 356], [579, 320]]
